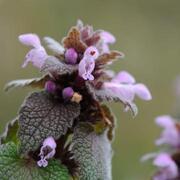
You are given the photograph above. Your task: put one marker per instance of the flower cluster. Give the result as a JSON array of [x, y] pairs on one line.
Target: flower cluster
[[88, 51], [167, 161], [74, 84]]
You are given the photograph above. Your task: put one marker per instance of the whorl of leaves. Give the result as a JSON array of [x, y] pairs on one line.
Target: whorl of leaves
[[41, 116]]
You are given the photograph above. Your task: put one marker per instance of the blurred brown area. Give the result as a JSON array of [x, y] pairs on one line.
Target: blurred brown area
[[148, 32]]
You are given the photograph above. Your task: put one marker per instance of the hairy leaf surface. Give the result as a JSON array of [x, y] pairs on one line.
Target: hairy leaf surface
[[34, 82], [12, 167], [93, 153], [43, 115], [54, 66]]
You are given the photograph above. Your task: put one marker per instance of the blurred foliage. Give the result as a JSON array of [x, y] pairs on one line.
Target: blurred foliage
[[148, 32]]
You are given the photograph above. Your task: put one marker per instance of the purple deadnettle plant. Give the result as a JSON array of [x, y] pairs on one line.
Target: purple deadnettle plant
[[63, 130]]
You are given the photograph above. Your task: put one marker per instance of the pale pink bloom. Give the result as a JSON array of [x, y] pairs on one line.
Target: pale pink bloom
[[38, 54], [107, 39], [170, 134], [87, 64], [124, 85], [167, 167], [47, 151]]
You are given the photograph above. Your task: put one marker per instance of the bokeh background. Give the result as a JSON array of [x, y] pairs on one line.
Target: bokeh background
[[148, 32]]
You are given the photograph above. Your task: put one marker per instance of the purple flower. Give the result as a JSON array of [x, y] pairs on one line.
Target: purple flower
[[124, 77], [87, 64], [170, 134], [167, 167], [37, 55], [71, 56], [67, 93], [47, 151], [123, 84], [50, 86], [107, 38]]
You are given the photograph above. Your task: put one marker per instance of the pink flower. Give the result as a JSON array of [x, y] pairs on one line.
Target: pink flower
[[37, 55], [47, 151], [107, 39], [87, 64], [123, 84], [167, 167], [170, 134]]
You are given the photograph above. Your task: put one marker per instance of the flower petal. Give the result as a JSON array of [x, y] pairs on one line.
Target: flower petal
[[165, 121], [124, 77], [91, 53], [30, 40], [125, 92], [142, 92], [108, 37], [169, 168], [87, 64], [49, 141], [37, 56], [170, 134]]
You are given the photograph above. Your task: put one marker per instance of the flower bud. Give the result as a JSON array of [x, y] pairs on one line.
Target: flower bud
[[50, 86], [67, 93], [71, 56]]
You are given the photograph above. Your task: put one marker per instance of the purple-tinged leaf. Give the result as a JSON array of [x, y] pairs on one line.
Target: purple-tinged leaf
[[42, 116]]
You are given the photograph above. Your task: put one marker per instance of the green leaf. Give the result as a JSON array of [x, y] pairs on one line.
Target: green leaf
[[43, 115], [10, 132], [53, 65], [12, 167], [34, 82], [106, 95], [93, 153]]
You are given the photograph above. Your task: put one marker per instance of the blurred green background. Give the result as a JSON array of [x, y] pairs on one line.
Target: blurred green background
[[147, 31]]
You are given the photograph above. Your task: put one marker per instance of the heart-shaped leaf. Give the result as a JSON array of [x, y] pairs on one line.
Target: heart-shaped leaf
[[43, 115], [93, 153], [12, 167]]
